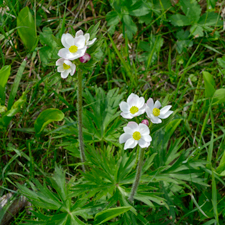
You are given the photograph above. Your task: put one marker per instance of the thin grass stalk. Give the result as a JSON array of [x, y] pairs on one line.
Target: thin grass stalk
[[138, 175], [80, 132]]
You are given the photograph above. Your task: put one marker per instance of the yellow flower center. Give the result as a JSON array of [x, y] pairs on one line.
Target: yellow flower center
[[65, 67], [156, 112], [136, 135], [134, 109], [73, 49]]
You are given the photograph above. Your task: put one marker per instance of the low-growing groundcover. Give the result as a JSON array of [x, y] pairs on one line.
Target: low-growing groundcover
[[112, 112]]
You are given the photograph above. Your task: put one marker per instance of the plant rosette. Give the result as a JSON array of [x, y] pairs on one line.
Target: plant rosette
[[135, 134]]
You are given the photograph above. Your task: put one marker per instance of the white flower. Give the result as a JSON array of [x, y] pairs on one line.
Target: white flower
[[135, 134], [134, 106], [65, 67], [87, 37], [74, 47], [154, 113]]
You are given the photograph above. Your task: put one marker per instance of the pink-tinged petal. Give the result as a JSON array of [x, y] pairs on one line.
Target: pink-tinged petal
[[124, 137], [65, 74], [92, 42], [67, 40], [133, 125], [59, 62], [165, 109], [65, 53], [132, 99], [126, 115], [146, 122], [87, 37], [78, 33], [150, 104], [79, 41], [141, 102], [60, 69], [124, 107], [157, 104], [165, 115], [73, 69], [144, 130], [85, 58], [130, 143], [143, 144], [128, 130], [147, 138], [155, 119]]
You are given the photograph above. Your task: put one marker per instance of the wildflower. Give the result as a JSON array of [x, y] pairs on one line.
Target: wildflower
[[87, 37], [146, 122], [74, 47], [85, 58], [135, 134], [134, 106], [154, 113], [65, 67]]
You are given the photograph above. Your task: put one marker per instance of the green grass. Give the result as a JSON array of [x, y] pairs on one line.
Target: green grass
[[185, 176]]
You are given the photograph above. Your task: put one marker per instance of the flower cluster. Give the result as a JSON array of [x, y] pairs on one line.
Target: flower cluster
[[140, 134], [74, 48]]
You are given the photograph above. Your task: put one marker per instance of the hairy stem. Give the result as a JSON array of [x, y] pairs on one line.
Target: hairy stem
[[80, 133], [138, 175]]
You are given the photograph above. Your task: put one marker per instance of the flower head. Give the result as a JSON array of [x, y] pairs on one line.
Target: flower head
[[135, 134], [134, 106], [65, 67], [85, 58], [87, 37], [154, 113], [146, 122], [74, 47]]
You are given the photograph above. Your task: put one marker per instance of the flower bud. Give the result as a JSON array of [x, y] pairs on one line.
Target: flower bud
[[85, 58], [145, 122]]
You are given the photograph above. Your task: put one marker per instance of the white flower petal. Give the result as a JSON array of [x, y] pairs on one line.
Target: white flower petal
[[124, 137], [65, 53], [92, 42], [60, 69], [65, 74], [155, 119], [150, 104], [132, 99], [73, 69], [59, 62], [78, 54], [67, 40], [79, 32], [143, 144], [79, 41], [142, 110], [126, 115], [165, 109], [147, 138], [132, 125], [165, 115], [87, 37], [124, 107], [128, 130], [144, 130], [157, 104], [130, 143], [141, 102], [148, 112]]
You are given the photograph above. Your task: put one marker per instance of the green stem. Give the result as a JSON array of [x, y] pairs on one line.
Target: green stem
[[80, 133], [138, 175]]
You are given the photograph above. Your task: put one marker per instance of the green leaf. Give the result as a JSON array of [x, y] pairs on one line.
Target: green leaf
[[4, 75], [221, 62], [221, 166], [209, 84], [210, 19], [131, 27], [47, 116], [112, 18], [109, 214], [27, 29], [16, 83], [179, 20], [139, 9], [196, 31], [219, 96]]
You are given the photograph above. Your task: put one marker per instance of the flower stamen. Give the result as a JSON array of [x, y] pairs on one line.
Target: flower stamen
[[136, 135], [134, 109], [73, 49], [156, 112], [65, 66]]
